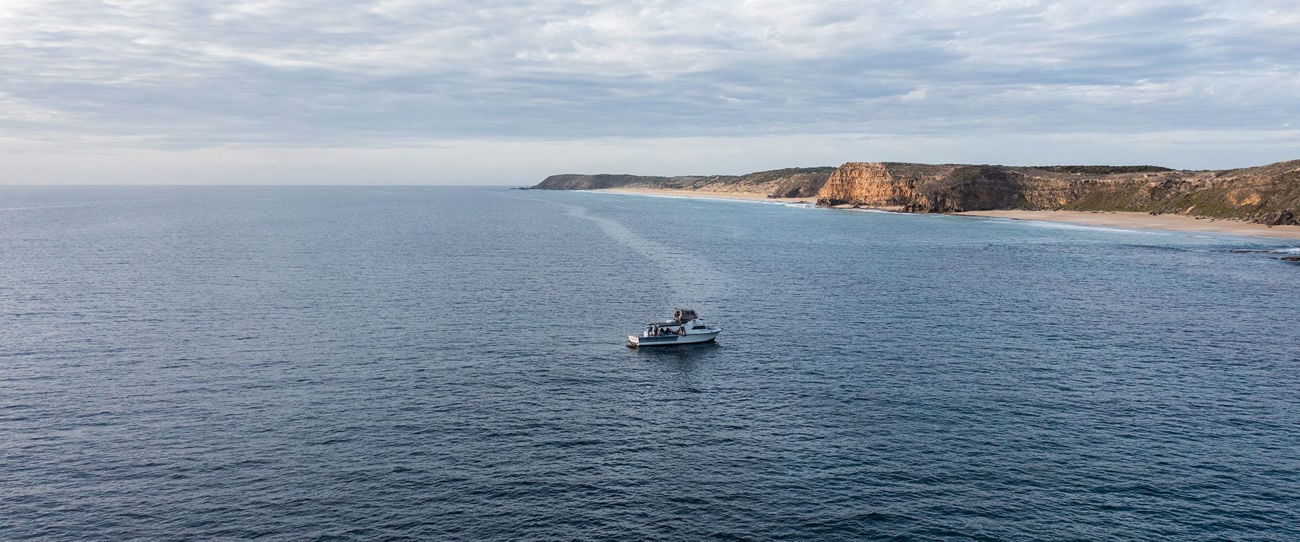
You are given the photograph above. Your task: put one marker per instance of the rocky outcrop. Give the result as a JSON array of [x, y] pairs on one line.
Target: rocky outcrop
[[922, 187], [1267, 194], [777, 183]]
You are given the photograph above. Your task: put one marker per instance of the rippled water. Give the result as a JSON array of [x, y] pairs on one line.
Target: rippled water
[[449, 363]]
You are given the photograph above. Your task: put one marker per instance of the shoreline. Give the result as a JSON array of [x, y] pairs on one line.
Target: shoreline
[[1108, 219], [703, 194], [1145, 221]]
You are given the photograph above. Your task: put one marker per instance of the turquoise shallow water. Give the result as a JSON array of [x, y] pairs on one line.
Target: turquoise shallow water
[[448, 363]]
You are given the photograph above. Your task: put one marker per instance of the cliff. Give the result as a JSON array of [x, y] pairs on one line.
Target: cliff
[[778, 183], [1266, 194]]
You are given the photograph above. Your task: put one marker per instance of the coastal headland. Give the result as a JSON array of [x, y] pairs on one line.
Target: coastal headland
[[1260, 201]]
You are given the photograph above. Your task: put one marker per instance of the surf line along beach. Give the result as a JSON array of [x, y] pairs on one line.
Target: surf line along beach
[[1109, 219]]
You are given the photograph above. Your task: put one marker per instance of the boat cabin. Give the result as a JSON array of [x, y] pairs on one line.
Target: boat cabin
[[658, 329]]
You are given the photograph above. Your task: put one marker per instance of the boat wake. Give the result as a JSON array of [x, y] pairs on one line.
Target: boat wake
[[703, 283]]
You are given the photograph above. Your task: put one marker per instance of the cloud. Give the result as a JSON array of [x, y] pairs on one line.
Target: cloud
[[334, 73]]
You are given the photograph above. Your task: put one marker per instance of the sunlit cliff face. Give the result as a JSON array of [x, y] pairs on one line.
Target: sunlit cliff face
[[1258, 194]]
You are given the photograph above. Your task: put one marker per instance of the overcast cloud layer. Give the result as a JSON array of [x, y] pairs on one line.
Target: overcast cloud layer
[[433, 83]]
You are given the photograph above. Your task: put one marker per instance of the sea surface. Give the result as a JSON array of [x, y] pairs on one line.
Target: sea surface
[[439, 363]]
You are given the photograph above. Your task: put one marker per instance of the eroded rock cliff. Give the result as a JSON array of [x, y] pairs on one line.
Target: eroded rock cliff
[[1268, 194]]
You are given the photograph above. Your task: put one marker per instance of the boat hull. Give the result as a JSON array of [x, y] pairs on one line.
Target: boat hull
[[637, 341]]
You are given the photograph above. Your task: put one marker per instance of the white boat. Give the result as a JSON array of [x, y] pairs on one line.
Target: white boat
[[685, 328]]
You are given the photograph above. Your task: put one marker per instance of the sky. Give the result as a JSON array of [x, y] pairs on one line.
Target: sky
[[510, 91]]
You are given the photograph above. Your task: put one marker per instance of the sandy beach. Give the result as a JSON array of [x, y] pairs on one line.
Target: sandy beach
[[1145, 221], [1141, 221]]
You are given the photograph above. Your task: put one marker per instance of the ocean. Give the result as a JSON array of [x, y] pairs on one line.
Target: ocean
[[449, 363]]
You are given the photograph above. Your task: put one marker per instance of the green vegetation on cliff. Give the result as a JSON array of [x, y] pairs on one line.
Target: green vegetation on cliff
[[1103, 170]]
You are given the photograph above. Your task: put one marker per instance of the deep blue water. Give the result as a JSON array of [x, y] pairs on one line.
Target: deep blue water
[[449, 363]]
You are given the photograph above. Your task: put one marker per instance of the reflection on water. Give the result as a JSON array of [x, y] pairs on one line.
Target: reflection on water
[[679, 363]]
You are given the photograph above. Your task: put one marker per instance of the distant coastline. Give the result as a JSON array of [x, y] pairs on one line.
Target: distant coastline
[[1260, 201], [1124, 220], [705, 194]]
